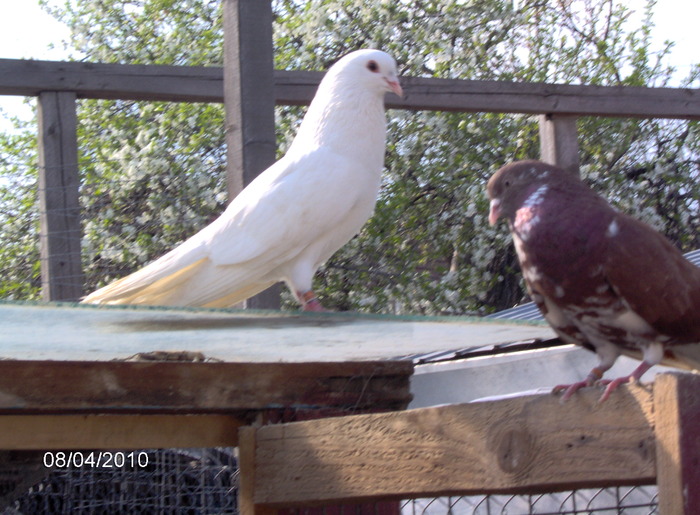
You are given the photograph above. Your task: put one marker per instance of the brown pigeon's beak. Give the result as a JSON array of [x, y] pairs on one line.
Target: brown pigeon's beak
[[395, 86], [494, 211]]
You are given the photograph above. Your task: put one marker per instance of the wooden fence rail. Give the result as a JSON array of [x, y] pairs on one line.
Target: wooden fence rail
[[531, 444], [61, 83], [205, 84]]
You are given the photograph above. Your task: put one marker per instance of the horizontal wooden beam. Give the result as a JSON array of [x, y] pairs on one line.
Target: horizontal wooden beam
[[543, 98], [67, 432], [40, 387], [205, 84], [112, 81], [527, 444]]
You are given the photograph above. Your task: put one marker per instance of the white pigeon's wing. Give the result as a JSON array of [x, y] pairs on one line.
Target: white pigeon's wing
[[287, 209], [290, 205]]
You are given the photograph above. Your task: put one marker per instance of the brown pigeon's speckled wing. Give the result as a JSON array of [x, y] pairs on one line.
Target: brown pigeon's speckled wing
[[655, 280]]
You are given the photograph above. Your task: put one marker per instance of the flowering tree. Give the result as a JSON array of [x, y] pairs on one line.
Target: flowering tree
[[152, 172]]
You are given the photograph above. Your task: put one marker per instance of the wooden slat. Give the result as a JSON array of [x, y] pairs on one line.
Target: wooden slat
[[246, 467], [112, 81], [250, 105], [523, 444], [66, 432], [542, 98], [677, 412], [559, 142], [165, 387], [205, 84], [59, 209]]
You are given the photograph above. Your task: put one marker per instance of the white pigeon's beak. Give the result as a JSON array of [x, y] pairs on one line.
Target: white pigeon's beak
[[394, 85], [494, 211]]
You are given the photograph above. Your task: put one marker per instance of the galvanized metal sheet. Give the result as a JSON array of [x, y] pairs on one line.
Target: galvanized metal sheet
[[85, 332]]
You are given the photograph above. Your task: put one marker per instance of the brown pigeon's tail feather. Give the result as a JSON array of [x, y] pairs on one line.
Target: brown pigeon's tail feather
[[684, 356]]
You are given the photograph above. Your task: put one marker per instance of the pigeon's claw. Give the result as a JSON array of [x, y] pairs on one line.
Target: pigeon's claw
[[611, 385], [570, 389], [632, 378], [309, 301]]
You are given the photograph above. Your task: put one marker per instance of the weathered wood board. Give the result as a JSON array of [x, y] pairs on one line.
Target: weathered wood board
[[68, 432], [205, 84], [84, 332], [28, 387], [527, 444]]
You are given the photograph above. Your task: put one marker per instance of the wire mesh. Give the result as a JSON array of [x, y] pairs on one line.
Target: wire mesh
[[204, 481], [191, 481], [630, 500]]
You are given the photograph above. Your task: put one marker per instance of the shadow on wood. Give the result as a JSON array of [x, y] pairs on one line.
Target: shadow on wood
[[530, 444]]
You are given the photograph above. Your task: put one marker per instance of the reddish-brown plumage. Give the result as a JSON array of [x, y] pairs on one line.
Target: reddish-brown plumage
[[602, 279]]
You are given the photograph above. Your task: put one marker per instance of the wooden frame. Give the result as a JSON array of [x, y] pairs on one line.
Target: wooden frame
[[528, 444], [134, 405], [206, 84]]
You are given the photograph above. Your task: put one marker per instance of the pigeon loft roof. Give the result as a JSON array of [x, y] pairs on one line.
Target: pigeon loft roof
[[58, 331], [529, 311], [55, 331]]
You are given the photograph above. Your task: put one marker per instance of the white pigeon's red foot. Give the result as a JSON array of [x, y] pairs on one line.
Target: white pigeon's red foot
[[309, 302]]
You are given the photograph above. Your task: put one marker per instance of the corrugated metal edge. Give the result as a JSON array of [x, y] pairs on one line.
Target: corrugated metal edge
[[530, 312], [523, 313]]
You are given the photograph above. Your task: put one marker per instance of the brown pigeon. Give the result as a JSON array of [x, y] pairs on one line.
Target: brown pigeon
[[602, 279]]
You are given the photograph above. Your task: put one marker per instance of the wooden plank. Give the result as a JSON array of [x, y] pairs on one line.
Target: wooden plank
[[248, 90], [677, 411], [165, 387], [541, 98], [112, 81], [59, 207], [205, 84], [66, 432], [527, 444], [250, 104], [559, 141], [246, 469]]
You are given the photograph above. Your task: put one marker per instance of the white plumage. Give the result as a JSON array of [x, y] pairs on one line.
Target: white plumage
[[295, 214]]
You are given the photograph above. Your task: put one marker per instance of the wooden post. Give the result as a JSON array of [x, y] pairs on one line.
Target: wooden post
[[247, 438], [61, 271], [559, 141], [677, 411], [249, 102]]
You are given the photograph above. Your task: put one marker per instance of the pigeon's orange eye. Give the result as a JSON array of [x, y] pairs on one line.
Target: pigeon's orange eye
[[373, 66]]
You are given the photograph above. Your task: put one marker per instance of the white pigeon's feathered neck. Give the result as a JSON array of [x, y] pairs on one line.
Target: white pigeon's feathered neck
[[347, 113]]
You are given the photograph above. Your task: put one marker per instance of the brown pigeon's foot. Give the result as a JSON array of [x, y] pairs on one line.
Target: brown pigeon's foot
[[309, 302], [570, 389], [612, 385]]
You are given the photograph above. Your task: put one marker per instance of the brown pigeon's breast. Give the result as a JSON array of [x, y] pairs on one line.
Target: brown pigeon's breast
[[604, 321]]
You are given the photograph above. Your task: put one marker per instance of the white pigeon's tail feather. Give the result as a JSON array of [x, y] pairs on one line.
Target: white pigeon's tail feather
[[200, 284]]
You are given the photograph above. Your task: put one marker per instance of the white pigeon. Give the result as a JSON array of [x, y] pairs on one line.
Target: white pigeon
[[295, 214]]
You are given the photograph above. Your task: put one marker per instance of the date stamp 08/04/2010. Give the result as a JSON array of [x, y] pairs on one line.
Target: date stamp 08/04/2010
[[95, 459]]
